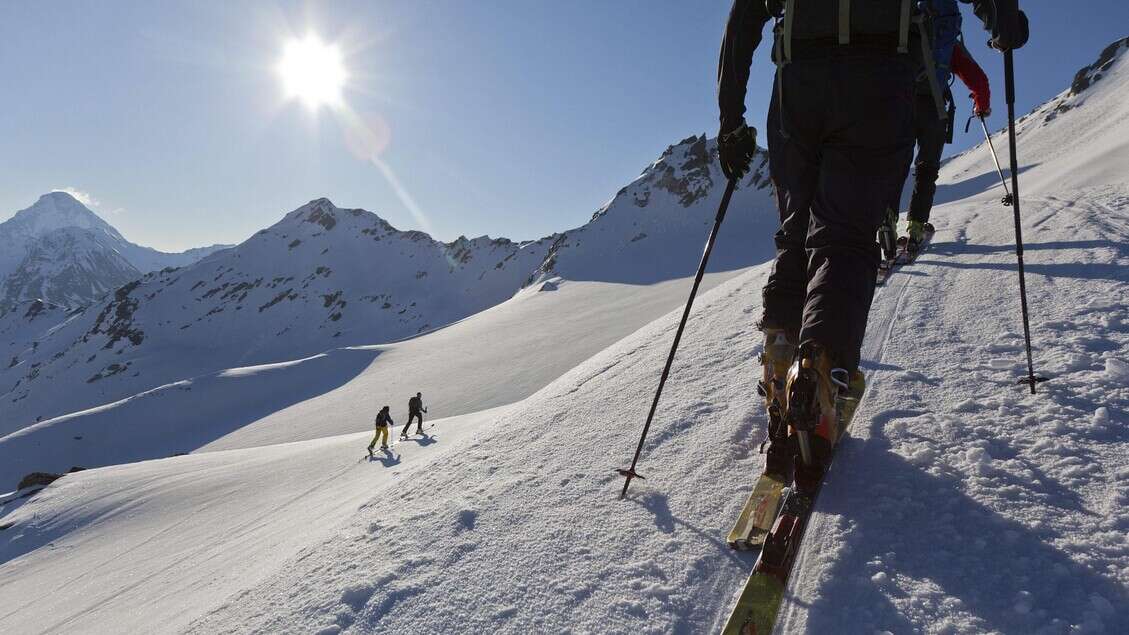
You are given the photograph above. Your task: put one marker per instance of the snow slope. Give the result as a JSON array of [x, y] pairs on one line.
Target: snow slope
[[958, 504], [494, 358], [232, 515]]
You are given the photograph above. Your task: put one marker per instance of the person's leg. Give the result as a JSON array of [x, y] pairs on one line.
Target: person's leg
[[864, 157], [793, 164], [384, 437], [793, 131], [930, 131], [372, 444]]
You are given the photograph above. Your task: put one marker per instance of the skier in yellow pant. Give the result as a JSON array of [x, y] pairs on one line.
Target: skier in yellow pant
[[383, 422]]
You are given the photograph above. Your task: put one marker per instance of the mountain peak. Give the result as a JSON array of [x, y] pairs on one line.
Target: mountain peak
[[57, 210], [1087, 75]]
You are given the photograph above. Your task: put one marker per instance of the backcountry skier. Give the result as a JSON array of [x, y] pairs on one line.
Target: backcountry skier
[[382, 422], [415, 412], [934, 121], [840, 140]]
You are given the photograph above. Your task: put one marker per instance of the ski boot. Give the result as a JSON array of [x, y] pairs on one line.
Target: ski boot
[[776, 358], [915, 235], [812, 391], [888, 236]]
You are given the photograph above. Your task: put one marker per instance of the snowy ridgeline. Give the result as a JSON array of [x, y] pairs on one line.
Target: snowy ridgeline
[[325, 277], [959, 502]]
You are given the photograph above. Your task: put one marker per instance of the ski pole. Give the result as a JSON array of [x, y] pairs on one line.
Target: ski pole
[[630, 472], [1009, 81], [995, 159]]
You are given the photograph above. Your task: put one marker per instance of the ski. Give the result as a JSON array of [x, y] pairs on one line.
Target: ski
[[758, 514], [885, 270], [763, 594], [903, 257]]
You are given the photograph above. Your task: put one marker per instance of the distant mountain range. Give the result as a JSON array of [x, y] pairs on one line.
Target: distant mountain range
[[60, 252]]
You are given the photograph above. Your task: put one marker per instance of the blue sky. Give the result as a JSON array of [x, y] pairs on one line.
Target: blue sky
[[506, 117]]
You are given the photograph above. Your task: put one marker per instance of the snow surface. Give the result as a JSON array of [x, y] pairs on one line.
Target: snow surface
[[959, 503], [494, 358]]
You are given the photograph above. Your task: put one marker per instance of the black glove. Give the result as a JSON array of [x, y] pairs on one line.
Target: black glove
[[1011, 32], [735, 150]]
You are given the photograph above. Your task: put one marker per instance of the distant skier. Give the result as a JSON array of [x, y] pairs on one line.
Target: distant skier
[[383, 422], [415, 413], [950, 57]]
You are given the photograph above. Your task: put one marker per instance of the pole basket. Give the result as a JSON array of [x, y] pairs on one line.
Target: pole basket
[[629, 473], [1030, 381]]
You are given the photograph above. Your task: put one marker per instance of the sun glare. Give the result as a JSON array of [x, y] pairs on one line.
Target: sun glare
[[312, 72]]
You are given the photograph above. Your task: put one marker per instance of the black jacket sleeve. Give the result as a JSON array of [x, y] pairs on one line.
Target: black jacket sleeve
[[742, 36]]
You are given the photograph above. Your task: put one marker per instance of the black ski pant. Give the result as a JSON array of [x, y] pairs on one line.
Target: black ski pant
[[419, 424], [840, 141], [931, 133]]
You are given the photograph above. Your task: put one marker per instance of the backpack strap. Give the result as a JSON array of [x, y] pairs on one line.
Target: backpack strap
[[931, 68], [903, 27], [844, 21], [789, 15]]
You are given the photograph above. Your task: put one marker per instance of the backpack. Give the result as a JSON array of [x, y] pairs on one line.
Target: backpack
[[942, 22], [840, 21]]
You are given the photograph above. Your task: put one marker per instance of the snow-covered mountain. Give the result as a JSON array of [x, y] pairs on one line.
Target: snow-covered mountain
[[325, 277], [59, 251], [653, 228], [958, 502]]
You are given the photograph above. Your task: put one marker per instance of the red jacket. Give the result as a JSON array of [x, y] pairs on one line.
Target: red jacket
[[973, 76]]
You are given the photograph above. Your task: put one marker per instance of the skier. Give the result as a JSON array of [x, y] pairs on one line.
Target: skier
[[415, 412], [382, 423], [933, 125], [840, 142]]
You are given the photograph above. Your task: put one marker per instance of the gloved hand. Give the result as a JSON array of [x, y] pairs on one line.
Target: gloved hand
[[735, 149], [1011, 32], [980, 105]]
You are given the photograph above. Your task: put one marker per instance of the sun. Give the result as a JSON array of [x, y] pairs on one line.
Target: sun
[[312, 72]]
